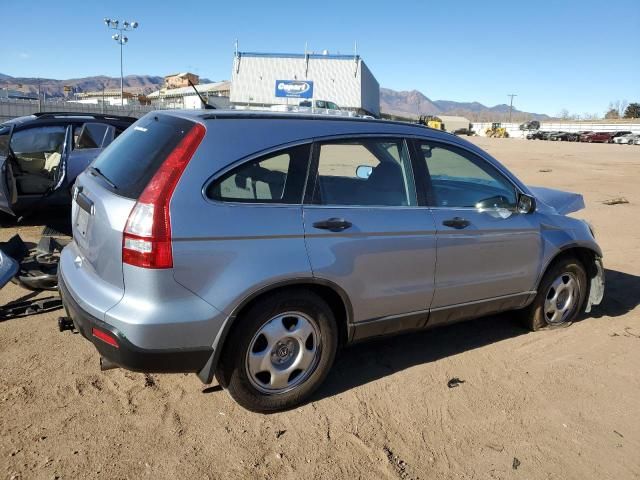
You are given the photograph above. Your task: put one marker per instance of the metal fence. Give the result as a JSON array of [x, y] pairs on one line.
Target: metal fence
[[10, 108]]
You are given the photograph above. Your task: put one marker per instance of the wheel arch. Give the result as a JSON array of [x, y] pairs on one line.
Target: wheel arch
[[331, 293]]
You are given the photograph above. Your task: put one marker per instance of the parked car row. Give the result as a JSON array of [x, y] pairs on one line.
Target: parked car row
[[624, 137]]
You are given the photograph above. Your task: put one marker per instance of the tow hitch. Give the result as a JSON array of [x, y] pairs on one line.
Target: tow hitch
[[65, 323]]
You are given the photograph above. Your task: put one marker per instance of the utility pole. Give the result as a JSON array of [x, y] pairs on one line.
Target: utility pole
[[511, 104], [39, 97], [122, 39]]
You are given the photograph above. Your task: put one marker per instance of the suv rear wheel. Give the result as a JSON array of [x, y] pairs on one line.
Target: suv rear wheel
[[280, 351], [560, 296]]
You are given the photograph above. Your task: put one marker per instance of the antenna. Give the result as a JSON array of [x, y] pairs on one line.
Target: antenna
[[236, 46]]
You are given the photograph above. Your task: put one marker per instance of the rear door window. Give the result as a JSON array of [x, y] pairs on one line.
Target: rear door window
[[364, 172], [274, 178], [131, 160], [94, 135]]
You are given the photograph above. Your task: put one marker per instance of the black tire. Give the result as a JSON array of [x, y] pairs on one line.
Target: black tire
[[534, 316], [232, 371]]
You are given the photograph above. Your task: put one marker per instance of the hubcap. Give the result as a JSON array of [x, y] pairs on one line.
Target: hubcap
[[283, 353], [561, 298]]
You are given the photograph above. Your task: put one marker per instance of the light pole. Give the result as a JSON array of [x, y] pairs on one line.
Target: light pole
[[511, 104], [122, 39]]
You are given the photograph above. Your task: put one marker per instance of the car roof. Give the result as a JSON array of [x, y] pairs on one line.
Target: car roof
[[377, 124]]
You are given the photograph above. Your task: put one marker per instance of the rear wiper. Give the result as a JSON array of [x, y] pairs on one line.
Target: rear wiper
[[95, 170]]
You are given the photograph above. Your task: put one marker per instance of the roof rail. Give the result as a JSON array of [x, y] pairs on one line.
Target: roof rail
[[81, 114], [265, 115]]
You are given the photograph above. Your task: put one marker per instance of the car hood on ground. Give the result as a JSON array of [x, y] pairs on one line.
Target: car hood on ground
[[561, 202], [8, 268]]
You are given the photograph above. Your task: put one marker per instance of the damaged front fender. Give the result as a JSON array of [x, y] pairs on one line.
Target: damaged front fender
[[596, 285]]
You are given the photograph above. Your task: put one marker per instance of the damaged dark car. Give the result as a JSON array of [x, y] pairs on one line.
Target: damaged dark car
[[42, 154]]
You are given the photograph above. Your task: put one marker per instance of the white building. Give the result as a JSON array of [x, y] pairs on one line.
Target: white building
[[266, 79], [217, 94], [109, 97]]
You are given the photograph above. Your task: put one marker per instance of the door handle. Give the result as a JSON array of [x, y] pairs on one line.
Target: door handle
[[456, 222], [333, 224]]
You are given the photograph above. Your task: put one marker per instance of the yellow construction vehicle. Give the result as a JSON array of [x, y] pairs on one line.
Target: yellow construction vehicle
[[431, 121], [496, 131]]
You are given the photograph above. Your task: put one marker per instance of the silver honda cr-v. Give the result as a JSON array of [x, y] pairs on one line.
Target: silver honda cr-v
[[251, 246]]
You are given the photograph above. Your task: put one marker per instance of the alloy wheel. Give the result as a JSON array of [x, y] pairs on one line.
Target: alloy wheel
[[283, 353], [561, 298]]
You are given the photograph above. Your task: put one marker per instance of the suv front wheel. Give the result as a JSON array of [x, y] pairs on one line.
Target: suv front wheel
[[279, 352], [561, 295]]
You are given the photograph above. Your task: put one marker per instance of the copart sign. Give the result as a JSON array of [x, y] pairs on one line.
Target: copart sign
[[294, 88]]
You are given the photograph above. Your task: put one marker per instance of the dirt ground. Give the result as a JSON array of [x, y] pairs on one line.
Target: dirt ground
[[561, 404]]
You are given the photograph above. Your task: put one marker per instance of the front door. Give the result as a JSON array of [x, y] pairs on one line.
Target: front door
[[34, 163], [366, 233], [488, 254]]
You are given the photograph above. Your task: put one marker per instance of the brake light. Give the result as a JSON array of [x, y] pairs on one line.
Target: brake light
[[105, 337], [146, 238]]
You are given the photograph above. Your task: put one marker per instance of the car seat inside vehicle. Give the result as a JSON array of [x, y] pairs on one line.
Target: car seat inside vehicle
[[36, 157]]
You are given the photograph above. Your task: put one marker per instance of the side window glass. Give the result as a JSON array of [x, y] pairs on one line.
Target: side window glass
[[38, 150], [374, 172], [94, 135], [4, 140], [460, 179], [275, 178]]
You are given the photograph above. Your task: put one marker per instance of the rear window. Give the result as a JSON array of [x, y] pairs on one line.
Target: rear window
[[133, 158]]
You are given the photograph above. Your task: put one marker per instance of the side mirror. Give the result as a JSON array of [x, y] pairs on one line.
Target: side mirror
[[526, 204], [364, 171]]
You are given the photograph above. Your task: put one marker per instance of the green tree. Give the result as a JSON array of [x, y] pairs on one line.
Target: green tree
[[632, 111], [612, 113]]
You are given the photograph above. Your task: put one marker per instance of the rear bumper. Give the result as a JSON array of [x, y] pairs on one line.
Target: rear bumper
[[128, 355]]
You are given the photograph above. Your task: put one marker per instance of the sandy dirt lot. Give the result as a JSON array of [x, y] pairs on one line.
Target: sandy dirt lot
[[561, 404]]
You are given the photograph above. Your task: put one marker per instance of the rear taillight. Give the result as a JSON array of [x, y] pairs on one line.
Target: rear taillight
[[147, 236]]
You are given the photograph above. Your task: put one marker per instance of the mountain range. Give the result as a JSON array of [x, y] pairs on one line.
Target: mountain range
[[398, 103], [414, 103]]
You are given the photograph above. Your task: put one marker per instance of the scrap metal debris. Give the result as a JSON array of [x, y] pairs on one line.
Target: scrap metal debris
[[454, 382], [35, 269], [29, 307], [616, 201]]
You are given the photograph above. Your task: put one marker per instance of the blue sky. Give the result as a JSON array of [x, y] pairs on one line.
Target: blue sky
[[578, 54]]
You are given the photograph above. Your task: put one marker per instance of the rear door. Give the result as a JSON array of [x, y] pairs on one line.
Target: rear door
[[366, 233], [486, 249]]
